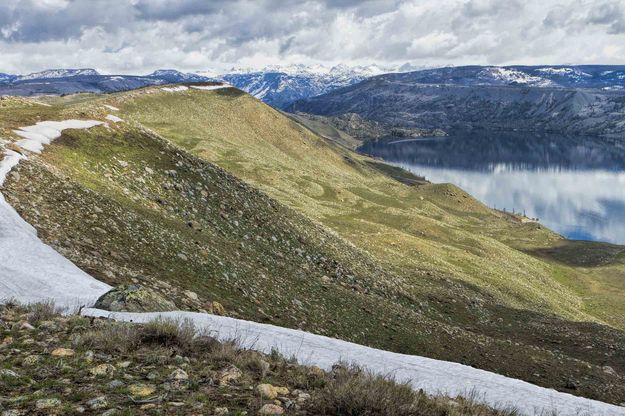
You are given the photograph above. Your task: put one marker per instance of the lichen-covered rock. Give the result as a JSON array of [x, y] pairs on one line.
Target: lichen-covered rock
[[271, 409], [216, 308], [141, 390], [134, 298], [62, 352], [269, 391]]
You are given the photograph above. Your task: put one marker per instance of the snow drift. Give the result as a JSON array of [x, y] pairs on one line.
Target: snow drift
[[30, 270], [433, 376]]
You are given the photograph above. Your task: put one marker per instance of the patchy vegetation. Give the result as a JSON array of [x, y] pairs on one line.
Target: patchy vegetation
[[55, 364], [332, 244]]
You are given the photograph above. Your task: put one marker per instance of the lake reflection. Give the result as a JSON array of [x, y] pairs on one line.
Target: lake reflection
[[574, 185]]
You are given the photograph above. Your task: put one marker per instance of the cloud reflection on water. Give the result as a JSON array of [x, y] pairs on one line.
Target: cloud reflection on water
[[588, 203], [574, 185]]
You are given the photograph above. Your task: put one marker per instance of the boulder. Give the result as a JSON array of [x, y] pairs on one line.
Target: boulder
[[62, 352], [269, 391], [133, 298], [215, 308], [229, 375], [141, 390], [271, 409]]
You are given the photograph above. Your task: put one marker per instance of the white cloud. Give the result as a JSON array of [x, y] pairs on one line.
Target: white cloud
[[140, 36]]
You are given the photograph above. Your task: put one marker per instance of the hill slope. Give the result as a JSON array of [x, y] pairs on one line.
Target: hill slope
[[337, 248]]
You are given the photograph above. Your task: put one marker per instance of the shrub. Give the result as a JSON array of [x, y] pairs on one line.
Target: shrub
[[42, 311]]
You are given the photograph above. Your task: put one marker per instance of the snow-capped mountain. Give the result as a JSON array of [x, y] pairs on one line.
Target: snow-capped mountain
[[6, 78], [558, 76], [172, 75], [59, 73], [281, 85]]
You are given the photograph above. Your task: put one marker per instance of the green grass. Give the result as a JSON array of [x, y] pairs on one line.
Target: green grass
[[432, 227]]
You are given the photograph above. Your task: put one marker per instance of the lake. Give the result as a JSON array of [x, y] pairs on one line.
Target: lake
[[573, 185]]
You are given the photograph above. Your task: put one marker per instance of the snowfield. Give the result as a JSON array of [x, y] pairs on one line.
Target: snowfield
[[210, 87], [175, 89], [433, 376], [31, 271], [113, 118], [11, 159], [45, 131]]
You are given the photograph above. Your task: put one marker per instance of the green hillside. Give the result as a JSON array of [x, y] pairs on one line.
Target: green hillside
[[211, 196], [429, 230]]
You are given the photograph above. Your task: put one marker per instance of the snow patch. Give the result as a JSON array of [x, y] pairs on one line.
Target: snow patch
[[34, 137], [175, 89], [113, 118], [31, 271], [110, 107], [210, 87], [514, 76], [11, 159], [433, 376], [563, 71]]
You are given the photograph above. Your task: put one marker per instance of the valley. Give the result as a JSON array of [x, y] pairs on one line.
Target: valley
[[211, 197]]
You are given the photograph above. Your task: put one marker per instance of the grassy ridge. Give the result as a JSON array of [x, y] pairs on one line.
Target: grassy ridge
[[434, 228]]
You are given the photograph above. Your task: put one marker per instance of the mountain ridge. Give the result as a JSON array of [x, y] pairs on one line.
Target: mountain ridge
[[417, 100], [213, 196], [282, 85]]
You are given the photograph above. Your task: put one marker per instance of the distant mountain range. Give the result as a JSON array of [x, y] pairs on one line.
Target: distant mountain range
[[576, 100], [281, 86], [69, 81], [277, 86], [559, 76]]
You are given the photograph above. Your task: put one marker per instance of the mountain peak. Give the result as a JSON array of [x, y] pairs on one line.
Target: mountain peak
[[60, 73], [163, 72], [173, 75]]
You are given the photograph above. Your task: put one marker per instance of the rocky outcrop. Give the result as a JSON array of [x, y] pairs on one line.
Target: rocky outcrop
[[134, 298]]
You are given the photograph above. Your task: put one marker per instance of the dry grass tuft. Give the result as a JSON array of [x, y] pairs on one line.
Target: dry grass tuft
[[352, 391]]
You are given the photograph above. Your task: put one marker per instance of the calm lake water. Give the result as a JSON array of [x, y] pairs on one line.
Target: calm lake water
[[574, 185]]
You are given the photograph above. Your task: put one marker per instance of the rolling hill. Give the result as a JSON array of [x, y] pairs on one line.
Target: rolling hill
[[212, 196]]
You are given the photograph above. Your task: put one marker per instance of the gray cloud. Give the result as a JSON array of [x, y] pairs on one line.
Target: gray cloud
[[142, 35], [172, 10]]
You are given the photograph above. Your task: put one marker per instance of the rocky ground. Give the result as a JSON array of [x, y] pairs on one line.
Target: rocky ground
[[56, 365]]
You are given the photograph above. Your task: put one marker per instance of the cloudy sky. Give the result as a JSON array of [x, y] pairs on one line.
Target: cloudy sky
[[138, 36]]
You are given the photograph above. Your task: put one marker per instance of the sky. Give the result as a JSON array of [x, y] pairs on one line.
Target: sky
[[139, 36]]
